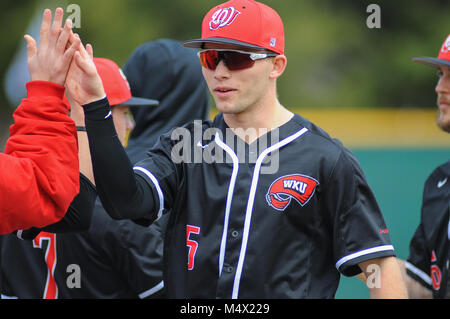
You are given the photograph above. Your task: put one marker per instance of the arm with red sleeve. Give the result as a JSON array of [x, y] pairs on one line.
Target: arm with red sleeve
[[39, 171]]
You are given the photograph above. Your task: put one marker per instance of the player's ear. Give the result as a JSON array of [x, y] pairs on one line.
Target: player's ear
[[279, 65]]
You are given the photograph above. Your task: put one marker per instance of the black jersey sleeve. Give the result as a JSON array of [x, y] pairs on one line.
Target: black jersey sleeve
[[122, 195], [77, 218], [359, 229], [161, 174], [418, 262]]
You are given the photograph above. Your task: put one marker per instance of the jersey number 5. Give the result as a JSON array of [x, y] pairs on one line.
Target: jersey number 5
[[191, 244], [51, 290]]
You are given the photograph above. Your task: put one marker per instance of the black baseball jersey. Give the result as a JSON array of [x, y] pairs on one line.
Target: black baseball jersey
[[279, 218], [113, 259], [428, 260]]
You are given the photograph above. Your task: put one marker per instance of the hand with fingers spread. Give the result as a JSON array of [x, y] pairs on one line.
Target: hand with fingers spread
[[57, 46], [83, 81]]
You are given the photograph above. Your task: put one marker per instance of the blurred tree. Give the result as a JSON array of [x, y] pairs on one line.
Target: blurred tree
[[334, 59]]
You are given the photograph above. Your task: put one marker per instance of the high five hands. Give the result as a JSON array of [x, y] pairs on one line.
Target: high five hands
[[61, 58]]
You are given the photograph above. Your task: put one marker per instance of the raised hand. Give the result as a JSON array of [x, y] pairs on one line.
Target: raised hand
[[51, 60], [83, 81]]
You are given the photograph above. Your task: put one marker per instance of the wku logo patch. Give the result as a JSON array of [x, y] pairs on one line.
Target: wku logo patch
[[284, 189], [223, 17]]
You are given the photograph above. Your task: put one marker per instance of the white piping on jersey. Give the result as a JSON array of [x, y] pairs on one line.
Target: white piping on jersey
[[158, 188], [422, 275], [108, 115], [151, 291], [448, 230], [251, 199], [362, 253], [235, 159]]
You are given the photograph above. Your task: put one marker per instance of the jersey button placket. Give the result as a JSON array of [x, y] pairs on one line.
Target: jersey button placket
[[236, 225], [225, 282], [233, 241], [229, 269]]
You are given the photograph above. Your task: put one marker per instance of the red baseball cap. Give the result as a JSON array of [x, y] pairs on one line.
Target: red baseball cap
[[246, 23], [116, 85], [443, 58]]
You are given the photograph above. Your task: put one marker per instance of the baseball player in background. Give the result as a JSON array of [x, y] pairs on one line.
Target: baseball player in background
[[427, 266], [262, 202]]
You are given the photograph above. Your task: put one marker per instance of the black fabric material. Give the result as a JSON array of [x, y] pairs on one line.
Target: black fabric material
[[121, 196]]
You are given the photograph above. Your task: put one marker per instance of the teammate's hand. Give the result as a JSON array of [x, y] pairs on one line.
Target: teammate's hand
[[83, 81], [51, 61]]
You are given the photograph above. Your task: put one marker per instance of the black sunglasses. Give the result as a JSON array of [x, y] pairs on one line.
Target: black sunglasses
[[233, 59]]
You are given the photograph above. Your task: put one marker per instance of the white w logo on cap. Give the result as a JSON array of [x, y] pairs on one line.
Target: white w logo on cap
[[223, 17]]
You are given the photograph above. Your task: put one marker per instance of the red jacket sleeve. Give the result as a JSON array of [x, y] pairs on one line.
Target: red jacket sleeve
[[39, 171]]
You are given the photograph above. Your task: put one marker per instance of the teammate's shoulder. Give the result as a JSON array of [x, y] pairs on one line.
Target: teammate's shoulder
[[443, 169], [438, 178], [436, 194], [319, 134], [332, 148]]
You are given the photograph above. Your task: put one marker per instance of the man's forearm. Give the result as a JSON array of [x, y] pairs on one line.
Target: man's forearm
[[387, 279], [415, 289], [115, 180]]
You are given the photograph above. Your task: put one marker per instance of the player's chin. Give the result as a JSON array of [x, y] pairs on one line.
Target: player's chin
[[443, 121], [227, 108]]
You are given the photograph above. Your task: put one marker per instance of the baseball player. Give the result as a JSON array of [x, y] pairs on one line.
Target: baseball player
[[262, 202], [427, 266], [39, 168]]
